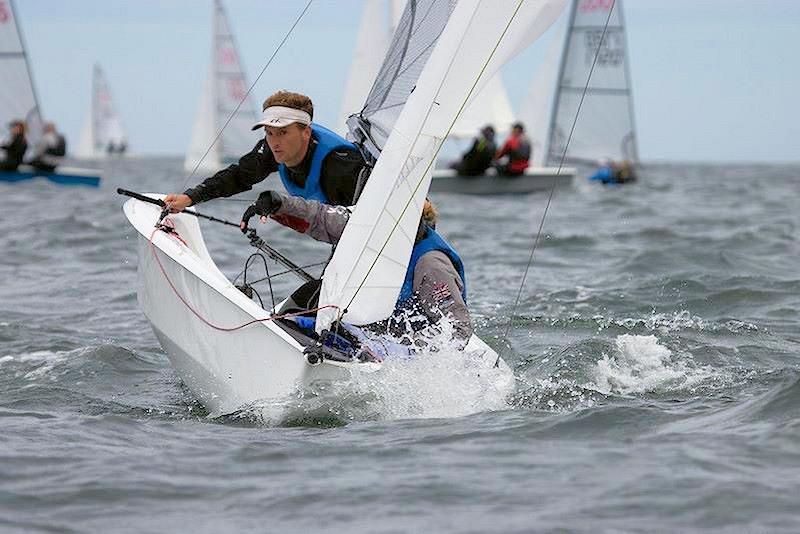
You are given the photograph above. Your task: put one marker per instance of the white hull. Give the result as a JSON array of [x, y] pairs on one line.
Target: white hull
[[535, 179], [261, 364]]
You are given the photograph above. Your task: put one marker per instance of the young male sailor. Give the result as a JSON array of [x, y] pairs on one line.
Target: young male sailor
[[313, 162], [434, 285]]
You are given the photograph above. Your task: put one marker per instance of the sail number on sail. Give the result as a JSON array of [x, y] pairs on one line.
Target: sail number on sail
[[5, 14], [595, 5], [611, 51]]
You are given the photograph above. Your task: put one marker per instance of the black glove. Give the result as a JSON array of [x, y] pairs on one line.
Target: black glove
[[268, 203]]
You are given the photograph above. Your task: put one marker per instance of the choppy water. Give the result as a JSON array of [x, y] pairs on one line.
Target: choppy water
[[656, 346]]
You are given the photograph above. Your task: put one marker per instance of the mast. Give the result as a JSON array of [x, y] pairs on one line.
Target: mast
[[557, 99], [634, 141]]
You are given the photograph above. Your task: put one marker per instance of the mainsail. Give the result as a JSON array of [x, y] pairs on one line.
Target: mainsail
[[224, 89], [412, 107], [605, 126], [103, 132], [18, 98]]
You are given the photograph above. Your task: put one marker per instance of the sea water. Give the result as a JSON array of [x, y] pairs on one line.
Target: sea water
[[655, 349]]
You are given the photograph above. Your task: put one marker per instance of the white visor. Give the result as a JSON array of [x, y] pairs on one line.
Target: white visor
[[280, 116]]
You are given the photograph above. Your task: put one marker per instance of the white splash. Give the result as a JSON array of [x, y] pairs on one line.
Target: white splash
[[439, 381], [642, 365]]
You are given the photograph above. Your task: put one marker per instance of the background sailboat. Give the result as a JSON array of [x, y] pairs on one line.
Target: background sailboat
[[605, 128], [103, 134], [225, 88], [18, 100]]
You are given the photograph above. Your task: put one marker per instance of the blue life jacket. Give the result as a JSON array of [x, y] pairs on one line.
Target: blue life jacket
[[327, 142], [604, 174], [432, 241]]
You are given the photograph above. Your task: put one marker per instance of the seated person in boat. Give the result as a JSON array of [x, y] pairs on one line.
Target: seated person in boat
[[610, 172], [50, 151], [479, 157], [512, 158], [15, 147], [434, 285], [313, 162]]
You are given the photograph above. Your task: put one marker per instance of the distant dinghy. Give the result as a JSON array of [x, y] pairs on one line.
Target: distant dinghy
[[103, 134], [19, 101], [224, 89], [490, 106]]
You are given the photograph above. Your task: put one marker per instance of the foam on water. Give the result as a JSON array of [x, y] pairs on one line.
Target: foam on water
[[641, 364]]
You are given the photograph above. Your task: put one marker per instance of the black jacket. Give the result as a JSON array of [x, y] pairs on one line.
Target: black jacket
[[338, 180], [15, 151]]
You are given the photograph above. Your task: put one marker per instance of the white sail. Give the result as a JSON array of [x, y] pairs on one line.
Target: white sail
[[103, 132], [17, 92], [374, 35], [605, 126], [490, 106], [537, 107], [364, 277], [224, 91]]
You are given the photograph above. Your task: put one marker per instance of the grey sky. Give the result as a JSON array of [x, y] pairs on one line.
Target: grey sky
[[713, 80]]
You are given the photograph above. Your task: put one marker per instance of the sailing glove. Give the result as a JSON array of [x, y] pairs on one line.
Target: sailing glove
[[268, 203]]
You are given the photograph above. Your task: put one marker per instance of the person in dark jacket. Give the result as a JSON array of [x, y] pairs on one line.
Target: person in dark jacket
[[15, 147], [479, 157], [50, 151], [313, 162], [434, 286]]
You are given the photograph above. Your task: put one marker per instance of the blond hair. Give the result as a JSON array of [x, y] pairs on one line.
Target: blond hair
[[429, 213], [290, 100]]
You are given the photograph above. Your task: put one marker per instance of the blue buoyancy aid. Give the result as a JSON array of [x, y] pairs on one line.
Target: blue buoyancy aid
[[604, 174], [432, 241], [327, 142]]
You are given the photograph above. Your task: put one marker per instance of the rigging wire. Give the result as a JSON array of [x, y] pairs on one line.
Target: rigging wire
[[247, 94], [553, 186]]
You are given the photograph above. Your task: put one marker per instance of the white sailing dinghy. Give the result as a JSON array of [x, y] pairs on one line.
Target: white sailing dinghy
[[429, 72], [19, 101], [224, 89], [605, 128], [103, 134]]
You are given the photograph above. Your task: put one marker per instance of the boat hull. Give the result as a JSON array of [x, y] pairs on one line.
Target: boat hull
[[63, 176], [194, 309], [534, 180]]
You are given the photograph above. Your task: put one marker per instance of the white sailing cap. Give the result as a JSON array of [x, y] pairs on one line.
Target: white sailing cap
[[280, 116]]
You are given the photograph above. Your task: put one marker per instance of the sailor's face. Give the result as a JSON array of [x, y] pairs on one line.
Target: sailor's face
[[289, 143]]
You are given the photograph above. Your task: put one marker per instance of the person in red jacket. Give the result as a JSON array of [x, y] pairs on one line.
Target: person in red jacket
[[512, 158]]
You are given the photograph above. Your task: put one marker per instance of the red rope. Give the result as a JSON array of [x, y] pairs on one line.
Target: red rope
[[196, 313]]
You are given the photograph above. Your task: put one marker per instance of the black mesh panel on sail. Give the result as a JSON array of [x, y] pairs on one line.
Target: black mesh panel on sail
[[416, 35]]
